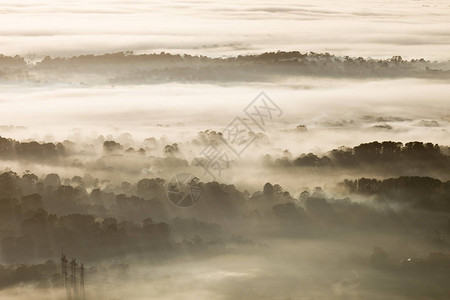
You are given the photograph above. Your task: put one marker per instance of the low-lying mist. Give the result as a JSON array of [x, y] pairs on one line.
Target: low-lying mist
[[344, 195]]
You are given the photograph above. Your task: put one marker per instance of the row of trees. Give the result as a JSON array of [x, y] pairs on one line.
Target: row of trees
[[44, 235], [12, 149], [39, 217], [386, 154], [128, 67], [419, 192]]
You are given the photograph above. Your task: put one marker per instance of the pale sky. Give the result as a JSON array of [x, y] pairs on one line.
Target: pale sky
[[358, 28]]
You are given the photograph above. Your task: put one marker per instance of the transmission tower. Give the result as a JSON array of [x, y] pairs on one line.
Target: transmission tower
[[83, 295], [73, 277], [65, 276]]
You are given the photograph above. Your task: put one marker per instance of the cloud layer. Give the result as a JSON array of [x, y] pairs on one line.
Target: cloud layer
[[360, 28]]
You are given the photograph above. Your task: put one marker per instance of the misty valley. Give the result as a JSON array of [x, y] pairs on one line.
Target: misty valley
[[224, 150], [376, 236]]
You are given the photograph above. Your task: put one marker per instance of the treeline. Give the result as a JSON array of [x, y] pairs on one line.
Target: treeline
[[81, 221], [65, 196], [40, 217], [385, 156], [12, 149], [42, 275], [86, 222], [419, 192], [11, 61], [44, 235], [317, 214], [127, 67]]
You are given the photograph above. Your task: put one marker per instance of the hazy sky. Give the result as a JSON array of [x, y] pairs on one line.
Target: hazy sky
[[359, 28]]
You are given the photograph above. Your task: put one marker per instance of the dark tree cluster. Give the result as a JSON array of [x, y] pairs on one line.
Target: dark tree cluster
[[12, 149], [11, 61], [383, 156], [92, 223], [420, 192], [64, 196], [41, 217], [42, 275], [42, 235]]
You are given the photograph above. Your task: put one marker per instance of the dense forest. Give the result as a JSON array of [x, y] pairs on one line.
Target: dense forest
[[42, 216], [130, 68]]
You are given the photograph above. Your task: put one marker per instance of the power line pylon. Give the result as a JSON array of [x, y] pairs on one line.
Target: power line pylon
[[65, 276], [83, 295], [73, 277]]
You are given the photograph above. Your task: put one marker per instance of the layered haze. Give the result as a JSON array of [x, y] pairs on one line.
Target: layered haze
[[344, 193], [410, 28]]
